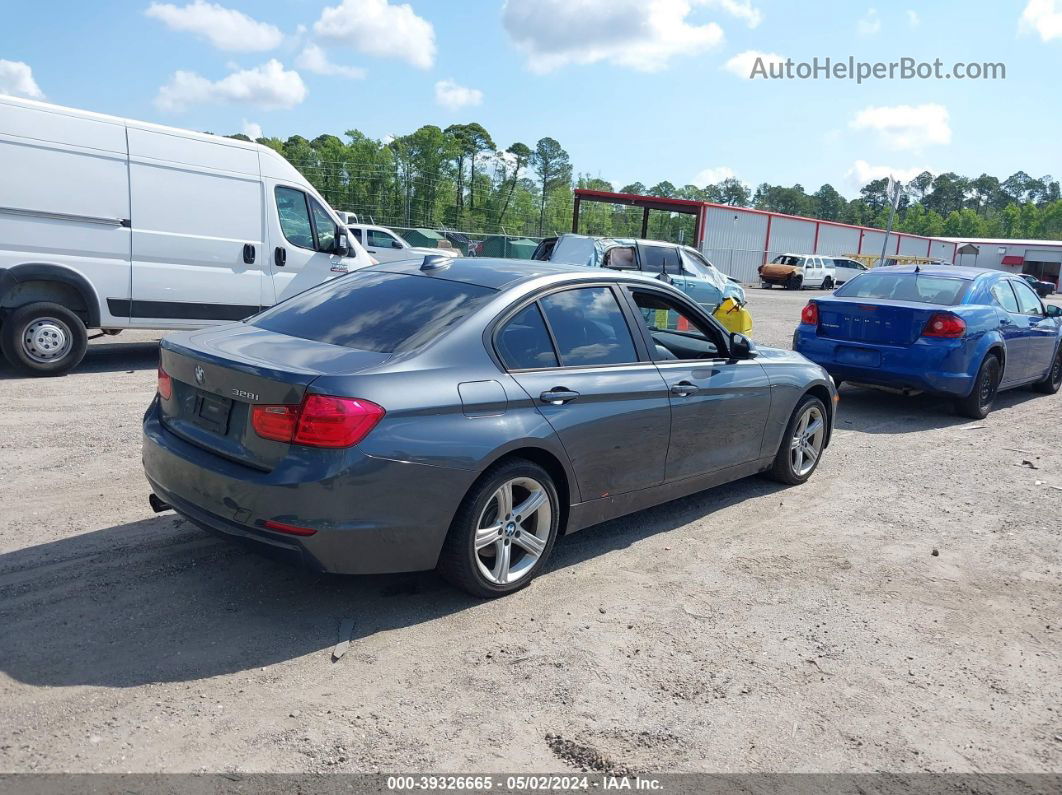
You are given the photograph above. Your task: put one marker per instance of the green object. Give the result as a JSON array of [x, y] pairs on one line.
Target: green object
[[425, 238], [509, 247]]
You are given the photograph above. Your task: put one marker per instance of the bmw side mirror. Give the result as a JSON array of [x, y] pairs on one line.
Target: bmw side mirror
[[342, 246], [741, 347], [1054, 310]]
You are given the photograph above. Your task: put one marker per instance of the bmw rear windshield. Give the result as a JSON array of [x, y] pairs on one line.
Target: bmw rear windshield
[[375, 311], [922, 288]]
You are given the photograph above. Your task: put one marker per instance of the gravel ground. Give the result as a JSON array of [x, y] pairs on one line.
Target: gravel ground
[[901, 612]]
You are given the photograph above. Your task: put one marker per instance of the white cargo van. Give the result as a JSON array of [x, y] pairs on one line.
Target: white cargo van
[[107, 223]]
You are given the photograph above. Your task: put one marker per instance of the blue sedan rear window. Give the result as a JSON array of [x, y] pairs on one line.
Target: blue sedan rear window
[[919, 287], [380, 312]]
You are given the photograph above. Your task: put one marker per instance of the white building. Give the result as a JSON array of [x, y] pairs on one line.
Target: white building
[[1041, 258]]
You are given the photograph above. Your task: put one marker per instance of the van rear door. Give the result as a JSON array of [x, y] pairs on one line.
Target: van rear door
[[197, 238]]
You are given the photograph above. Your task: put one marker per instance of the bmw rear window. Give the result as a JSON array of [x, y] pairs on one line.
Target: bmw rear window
[[375, 311], [919, 287]]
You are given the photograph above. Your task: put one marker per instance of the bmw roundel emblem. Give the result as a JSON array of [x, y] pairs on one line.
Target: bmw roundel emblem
[[200, 376]]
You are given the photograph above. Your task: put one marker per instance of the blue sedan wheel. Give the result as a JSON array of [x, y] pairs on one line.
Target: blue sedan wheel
[[1053, 381], [979, 402]]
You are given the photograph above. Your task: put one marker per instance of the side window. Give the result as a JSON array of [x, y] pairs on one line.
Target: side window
[[357, 234], [661, 258], [675, 331], [326, 227], [589, 327], [1005, 297], [1028, 301], [294, 217], [524, 343], [381, 239]]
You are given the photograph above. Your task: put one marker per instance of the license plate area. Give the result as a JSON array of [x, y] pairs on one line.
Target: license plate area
[[858, 356], [212, 413]]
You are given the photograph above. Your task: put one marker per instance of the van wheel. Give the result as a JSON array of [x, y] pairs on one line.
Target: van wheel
[[503, 533], [43, 339], [979, 402], [827, 284], [1053, 380]]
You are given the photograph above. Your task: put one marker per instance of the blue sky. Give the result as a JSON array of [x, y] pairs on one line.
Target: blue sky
[[633, 89]]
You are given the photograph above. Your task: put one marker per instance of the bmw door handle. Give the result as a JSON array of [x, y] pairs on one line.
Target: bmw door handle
[[683, 389], [558, 396]]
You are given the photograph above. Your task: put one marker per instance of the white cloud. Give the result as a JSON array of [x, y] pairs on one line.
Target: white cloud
[[913, 19], [742, 9], [252, 130], [1043, 17], [268, 86], [225, 28], [713, 175], [375, 27], [870, 24], [16, 79], [906, 126], [862, 172], [314, 59], [741, 64], [639, 34], [453, 96]]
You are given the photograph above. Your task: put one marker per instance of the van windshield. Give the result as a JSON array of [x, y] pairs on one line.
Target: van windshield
[[379, 312], [922, 288]]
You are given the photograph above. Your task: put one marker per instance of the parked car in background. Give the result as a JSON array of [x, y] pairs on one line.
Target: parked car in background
[[523, 400], [799, 271], [845, 269], [1043, 289], [385, 245], [683, 266], [107, 223], [963, 332]]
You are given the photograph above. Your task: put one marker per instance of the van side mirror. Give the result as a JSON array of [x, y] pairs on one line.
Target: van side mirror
[[741, 347], [342, 246]]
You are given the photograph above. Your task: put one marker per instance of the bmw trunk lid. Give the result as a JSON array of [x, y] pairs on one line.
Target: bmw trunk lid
[[873, 320], [218, 375]]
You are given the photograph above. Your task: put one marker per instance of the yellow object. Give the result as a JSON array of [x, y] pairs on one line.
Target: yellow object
[[734, 316]]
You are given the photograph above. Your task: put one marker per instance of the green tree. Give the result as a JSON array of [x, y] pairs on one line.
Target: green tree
[[553, 167]]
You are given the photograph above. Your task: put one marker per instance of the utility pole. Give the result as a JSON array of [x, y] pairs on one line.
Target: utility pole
[[892, 193]]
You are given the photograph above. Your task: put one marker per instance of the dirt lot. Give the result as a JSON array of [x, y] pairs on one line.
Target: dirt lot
[[902, 611]]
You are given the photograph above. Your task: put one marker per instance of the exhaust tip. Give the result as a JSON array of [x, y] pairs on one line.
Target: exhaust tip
[[157, 505]]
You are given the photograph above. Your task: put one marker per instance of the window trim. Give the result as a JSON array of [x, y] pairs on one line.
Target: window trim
[[309, 217], [313, 222], [647, 338], [1027, 286], [491, 332]]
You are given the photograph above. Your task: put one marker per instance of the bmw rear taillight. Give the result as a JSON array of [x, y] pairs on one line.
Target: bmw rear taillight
[[165, 384], [809, 315], [319, 421], [944, 325]]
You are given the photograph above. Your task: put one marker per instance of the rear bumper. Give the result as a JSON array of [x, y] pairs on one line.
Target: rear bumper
[[371, 515], [938, 366]]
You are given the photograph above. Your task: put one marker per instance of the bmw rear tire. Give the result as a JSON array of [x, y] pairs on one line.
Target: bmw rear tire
[[504, 531], [979, 402], [43, 338]]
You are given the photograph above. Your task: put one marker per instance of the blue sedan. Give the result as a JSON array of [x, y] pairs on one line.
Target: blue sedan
[[963, 332]]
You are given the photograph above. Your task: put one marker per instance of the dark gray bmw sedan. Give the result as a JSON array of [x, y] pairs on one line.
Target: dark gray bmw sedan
[[462, 414]]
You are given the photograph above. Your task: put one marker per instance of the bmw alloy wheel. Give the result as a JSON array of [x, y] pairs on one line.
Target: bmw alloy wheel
[[806, 444], [513, 530]]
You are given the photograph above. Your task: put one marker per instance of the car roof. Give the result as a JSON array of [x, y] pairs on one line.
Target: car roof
[[493, 272], [958, 271]]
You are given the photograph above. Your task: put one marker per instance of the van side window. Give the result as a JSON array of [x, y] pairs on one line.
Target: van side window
[[294, 217], [326, 227]]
